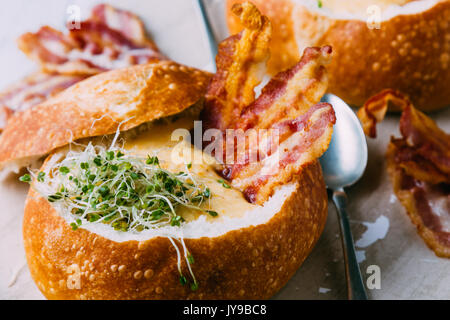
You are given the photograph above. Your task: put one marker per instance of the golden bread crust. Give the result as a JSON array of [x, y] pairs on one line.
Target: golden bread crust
[[249, 263], [98, 105], [410, 53]]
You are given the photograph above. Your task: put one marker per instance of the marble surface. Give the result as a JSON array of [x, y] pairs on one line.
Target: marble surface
[[409, 270]]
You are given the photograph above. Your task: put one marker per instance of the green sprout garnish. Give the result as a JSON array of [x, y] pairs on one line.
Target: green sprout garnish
[[319, 3], [41, 176], [25, 178], [64, 170], [126, 192], [224, 184], [212, 213], [194, 286]]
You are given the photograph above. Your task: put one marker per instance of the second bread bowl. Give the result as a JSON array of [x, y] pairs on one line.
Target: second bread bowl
[[377, 44]]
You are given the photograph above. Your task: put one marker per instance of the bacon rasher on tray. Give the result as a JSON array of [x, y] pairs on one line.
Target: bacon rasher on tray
[[32, 90], [292, 127], [109, 39], [419, 167], [374, 110]]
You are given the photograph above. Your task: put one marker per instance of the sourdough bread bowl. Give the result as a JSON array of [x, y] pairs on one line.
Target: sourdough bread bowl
[[409, 52], [246, 252], [141, 214]]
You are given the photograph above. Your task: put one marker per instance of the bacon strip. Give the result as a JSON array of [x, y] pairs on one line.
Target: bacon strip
[[427, 205], [374, 110], [426, 139], [298, 127], [32, 90], [241, 65], [419, 166], [290, 93], [301, 141], [129, 25], [109, 39], [414, 164]]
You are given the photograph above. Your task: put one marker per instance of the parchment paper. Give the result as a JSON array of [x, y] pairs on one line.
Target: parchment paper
[[409, 270]]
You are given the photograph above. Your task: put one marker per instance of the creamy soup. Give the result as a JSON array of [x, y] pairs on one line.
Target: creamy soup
[[359, 6], [175, 155]]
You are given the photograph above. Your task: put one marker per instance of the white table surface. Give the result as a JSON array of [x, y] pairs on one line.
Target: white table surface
[[409, 270]]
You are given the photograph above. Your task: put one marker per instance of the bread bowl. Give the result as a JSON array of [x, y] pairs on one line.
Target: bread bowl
[[231, 244], [410, 52], [252, 261]]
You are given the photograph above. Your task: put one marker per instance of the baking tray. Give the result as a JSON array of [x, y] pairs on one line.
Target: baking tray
[[385, 236]]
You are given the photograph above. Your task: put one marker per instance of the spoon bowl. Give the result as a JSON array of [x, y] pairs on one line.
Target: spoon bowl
[[346, 159]]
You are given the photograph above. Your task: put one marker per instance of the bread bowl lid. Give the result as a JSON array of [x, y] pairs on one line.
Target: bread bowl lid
[[98, 105]]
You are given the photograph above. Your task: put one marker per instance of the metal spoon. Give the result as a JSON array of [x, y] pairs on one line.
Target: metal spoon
[[209, 32], [343, 165]]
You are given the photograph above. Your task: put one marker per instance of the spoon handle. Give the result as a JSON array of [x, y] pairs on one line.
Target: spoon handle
[[209, 32], [355, 285]]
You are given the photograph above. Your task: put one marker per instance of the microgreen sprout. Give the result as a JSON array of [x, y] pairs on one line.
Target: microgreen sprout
[[124, 191], [41, 176], [224, 184], [212, 213], [25, 178]]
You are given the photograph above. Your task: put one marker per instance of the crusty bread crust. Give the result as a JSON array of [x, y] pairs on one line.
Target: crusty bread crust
[[410, 53], [98, 105], [249, 263]]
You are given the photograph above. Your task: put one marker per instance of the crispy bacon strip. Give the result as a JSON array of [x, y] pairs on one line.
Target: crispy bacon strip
[[32, 90], [427, 205], [374, 110], [241, 65], [290, 93], [426, 139], [301, 141], [298, 128], [304, 132], [419, 166], [125, 22], [109, 39], [35, 88]]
